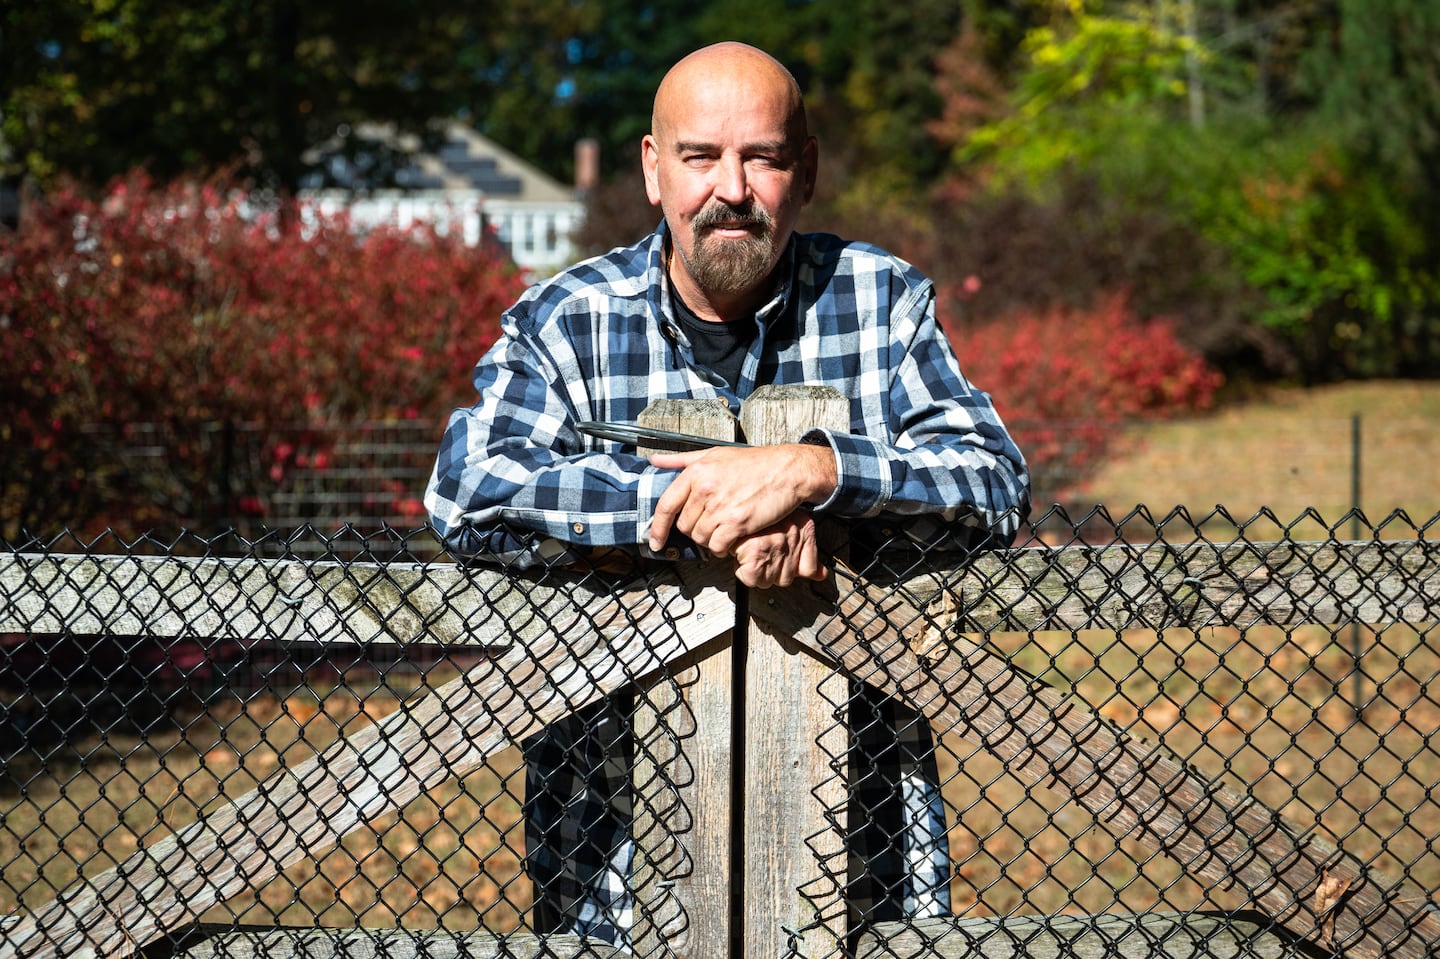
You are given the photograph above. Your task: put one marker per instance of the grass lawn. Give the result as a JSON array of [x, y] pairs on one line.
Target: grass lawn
[[1289, 451]]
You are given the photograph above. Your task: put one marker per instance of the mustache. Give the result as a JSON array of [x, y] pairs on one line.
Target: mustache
[[724, 213]]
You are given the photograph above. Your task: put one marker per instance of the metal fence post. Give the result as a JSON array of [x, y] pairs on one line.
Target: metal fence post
[[1357, 695]]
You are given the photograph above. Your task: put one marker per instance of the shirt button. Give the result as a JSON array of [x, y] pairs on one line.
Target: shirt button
[[578, 527], [672, 552]]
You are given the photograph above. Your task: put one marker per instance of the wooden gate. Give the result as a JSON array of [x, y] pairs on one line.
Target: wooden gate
[[757, 756]]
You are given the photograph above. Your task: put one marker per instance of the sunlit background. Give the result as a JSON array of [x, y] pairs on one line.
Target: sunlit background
[[253, 249]]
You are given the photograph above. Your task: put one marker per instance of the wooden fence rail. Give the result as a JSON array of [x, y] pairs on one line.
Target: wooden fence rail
[[558, 642]]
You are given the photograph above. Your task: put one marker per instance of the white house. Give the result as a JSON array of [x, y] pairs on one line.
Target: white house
[[467, 183]]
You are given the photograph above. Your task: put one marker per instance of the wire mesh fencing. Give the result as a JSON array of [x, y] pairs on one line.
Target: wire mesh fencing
[[1138, 734]]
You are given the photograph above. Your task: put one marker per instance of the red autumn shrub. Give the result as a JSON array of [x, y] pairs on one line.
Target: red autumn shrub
[[1065, 380], [181, 308]]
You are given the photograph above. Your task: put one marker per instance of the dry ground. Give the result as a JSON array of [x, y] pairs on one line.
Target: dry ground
[[1268, 711], [1290, 451]]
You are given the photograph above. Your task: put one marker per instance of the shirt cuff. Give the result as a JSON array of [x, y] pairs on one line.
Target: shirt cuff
[[863, 480], [653, 484]]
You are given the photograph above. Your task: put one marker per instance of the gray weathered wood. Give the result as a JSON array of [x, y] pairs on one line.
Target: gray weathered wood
[[683, 772], [905, 641], [1149, 936], [571, 646], [1201, 584], [791, 739], [279, 600], [1075, 587], [709, 418], [388, 944]]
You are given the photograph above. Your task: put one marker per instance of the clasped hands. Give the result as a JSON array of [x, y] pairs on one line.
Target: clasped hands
[[746, 502]]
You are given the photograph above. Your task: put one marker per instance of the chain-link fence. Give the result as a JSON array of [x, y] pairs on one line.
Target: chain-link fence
[[1137, 735]]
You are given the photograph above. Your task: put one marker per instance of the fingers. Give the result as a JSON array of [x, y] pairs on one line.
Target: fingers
[[780, 555], [689, 504], [684, 502], [667, 510], [779, 571], [676, 461], [694, 505], [725, 494]]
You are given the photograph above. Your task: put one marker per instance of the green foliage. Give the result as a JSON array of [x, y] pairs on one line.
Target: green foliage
[[1336, 260], [1002, 26], [1381, 85], [887, 94], [1083, 81], [519, 82], [1340, 260], [93, 87], [608, 64], [865, 68]]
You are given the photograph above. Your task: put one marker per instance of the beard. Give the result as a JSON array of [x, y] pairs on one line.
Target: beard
[[730, 266]]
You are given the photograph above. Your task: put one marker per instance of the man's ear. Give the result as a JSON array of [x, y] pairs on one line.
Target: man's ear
[[810, 165], [650, 165]]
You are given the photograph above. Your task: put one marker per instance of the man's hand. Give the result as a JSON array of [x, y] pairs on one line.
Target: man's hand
[[780, 555], [725, 494]]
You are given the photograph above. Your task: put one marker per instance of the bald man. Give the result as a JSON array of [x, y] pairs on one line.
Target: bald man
[[725, 296]]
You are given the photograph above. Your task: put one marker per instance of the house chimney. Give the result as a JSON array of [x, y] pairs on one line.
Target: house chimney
[[587, 165]]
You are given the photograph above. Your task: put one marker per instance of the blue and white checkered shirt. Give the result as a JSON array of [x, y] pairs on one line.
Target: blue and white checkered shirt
[[925, 450], [601, 342]]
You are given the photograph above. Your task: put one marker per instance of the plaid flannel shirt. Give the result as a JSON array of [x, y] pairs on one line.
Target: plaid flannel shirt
[[926, 452], [600, 342]]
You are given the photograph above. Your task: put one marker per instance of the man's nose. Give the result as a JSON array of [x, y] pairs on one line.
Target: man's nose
[[730, 181]]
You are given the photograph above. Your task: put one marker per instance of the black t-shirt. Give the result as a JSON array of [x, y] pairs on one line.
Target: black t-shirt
[[717, 346]]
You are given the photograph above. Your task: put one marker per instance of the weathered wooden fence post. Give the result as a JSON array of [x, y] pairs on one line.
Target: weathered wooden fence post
[[685, 907], [791, 737], [753, 876]]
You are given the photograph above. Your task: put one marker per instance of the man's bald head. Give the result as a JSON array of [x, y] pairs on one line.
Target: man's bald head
[[729, 68]]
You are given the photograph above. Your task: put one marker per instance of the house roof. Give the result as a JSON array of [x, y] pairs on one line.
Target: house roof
[[374, 157]]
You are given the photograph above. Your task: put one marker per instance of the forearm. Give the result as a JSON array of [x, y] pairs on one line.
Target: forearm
[[548, 483], [932, 445], [974, 478], [516, 458]]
